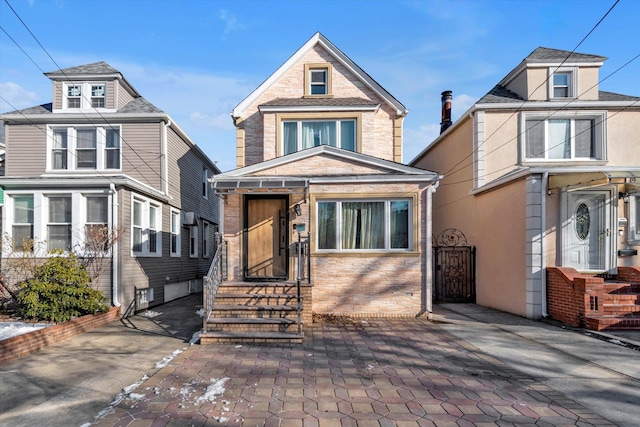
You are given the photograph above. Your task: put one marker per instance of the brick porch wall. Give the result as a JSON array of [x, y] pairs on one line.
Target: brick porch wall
[[568, 294], [629, 274], [25, 344]]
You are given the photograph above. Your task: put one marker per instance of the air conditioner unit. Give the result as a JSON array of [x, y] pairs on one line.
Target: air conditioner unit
[[189, 218]]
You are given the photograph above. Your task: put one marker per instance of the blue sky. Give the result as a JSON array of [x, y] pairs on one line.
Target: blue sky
[[197, 59]]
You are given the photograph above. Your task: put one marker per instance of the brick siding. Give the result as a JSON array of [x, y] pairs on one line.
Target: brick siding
[[569, 294], [25, 344], [629, 274]]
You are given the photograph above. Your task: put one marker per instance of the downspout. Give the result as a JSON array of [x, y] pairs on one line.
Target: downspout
[[115, 255], [543, 245], [164, 175], [428, 295]]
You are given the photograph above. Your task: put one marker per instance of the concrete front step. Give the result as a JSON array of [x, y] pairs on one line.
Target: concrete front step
[[250, 337]]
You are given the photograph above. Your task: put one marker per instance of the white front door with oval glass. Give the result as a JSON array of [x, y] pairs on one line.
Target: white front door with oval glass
[[587, 231]]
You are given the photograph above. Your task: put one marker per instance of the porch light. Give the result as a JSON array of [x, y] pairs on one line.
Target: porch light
[[297, 209], [624, 196]]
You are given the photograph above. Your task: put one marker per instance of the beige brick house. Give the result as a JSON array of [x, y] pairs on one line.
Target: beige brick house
[[319, 151], [542, 173]]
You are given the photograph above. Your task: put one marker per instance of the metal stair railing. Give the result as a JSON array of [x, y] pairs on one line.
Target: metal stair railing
[[302, 253], [215, 276]]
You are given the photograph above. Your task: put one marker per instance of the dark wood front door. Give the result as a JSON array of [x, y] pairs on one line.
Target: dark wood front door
[[266, 239]]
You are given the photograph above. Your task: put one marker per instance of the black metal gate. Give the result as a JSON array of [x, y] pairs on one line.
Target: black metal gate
[[454, 265]]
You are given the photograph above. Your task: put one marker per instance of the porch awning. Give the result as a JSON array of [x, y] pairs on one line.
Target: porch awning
[[230, 184], [578, 176]]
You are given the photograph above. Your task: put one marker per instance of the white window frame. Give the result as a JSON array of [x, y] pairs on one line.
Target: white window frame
[[146, 205], [41, 216], [205, 183], [47, 207], [387, 220], [572, 86], [175, 231], [193, 241], [634, 220], [86, 96], [72, 148], [103, 97], [599, 134], [205, 239]]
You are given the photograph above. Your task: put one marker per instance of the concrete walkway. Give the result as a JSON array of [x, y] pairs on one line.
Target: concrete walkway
[[471, 366]]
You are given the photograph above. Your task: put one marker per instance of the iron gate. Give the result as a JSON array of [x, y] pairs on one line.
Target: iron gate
[[454, 268]]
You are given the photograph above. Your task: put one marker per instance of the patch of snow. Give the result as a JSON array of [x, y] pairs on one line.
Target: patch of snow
[[215, 389], [136, 396], [618, 342], [164, 362], [238, 346], [195, 338], [13, 329], [200, 312], [126, 392], [151, 313]]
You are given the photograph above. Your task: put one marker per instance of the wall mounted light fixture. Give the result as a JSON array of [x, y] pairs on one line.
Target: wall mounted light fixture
[[297, 209]]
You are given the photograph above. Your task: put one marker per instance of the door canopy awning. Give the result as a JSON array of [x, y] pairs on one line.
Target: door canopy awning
[[233, 184], [567, 178]]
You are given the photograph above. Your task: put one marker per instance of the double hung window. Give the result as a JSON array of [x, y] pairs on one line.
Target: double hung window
[[564, 138], [318, 80], [175, 233], [59, 226], [634, 220], [74, 96], [146, 226], [562, 83], [84, 148], [96, 227], [22, 228], [193, 241], [85, 95], [302, 134], [364, 225], [98, 96]]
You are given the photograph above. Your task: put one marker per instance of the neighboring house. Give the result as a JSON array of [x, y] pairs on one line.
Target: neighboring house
[[542, 172], [319, 152], [102, 155]]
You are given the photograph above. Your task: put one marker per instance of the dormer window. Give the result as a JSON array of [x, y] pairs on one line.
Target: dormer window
[[74, 96], [562, 83], [97, 96], [317, 80], [85, 95]]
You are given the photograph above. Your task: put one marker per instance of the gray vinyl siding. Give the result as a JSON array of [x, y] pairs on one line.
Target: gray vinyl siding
[[58, 88], [110, 102], [124, 97], [185, 182], [26, 153], [141, 153]]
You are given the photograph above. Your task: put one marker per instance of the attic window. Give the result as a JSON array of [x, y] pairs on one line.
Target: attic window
[[317, 79], [74, 96], [562, 83]]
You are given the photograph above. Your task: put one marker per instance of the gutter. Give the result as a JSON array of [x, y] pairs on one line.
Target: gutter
[[543, 245], [428, 295]]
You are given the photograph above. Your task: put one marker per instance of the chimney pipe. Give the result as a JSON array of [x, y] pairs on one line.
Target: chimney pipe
[[446, 110]]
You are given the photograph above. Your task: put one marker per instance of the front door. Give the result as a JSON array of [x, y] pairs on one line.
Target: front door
[[587, 230], [265, 238]]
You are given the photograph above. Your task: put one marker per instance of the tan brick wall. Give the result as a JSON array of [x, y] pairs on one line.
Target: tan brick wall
[[321, 165], [378, 135]]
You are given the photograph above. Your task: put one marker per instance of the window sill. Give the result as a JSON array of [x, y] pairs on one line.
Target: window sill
[[563, 162], [143, 255], [308, 96]]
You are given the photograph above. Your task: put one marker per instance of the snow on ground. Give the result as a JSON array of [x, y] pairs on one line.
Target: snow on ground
[[12, 329]]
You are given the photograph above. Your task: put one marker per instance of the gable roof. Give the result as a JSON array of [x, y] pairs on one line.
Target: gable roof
[[319, 39], [546, 55]]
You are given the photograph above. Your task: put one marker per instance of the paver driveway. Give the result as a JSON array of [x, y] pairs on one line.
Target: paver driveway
[[382, 372]]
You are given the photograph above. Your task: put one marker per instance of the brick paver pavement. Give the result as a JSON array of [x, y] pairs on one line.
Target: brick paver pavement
[[374, 373]]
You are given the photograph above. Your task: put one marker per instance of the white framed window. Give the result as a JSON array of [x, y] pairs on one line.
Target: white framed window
[[74, 96], [98, 95], [85, 95], [205, 183], [56, 219], [205, 239], [22, 230], [59, 224], [82, 148], [364, 225], [146, 223], [563, 83], [97, 223], [634, 219], [175, 232], [562, 137], [302, 134], [193, 241]]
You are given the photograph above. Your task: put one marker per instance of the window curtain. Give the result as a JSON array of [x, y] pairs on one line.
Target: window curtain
[[290, 137], [318, 133], [363, 225], [559, 139], [59, 152], [584, 141], [348, 135], [327, 225], [534, 146], [399, 225]]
